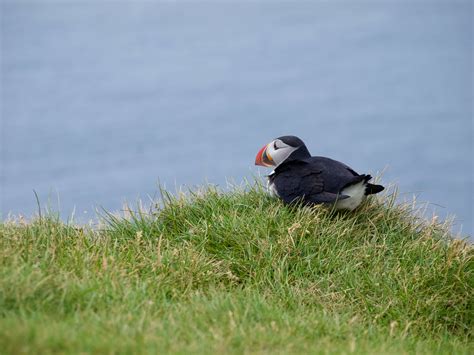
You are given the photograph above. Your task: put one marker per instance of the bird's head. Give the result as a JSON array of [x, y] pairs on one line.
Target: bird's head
[[281, 149]]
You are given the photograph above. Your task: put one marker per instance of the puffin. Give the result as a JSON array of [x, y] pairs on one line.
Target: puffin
[[297, 176]]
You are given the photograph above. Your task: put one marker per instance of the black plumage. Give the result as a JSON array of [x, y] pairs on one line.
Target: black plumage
[[314, 180]]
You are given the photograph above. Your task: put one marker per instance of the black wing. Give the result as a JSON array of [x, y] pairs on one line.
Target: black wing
[[304, 181]]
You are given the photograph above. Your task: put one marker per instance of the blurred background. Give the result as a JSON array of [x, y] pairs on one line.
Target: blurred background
[[101, 100]]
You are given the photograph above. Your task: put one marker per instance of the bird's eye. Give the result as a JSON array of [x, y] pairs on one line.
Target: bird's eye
[[275, 145]]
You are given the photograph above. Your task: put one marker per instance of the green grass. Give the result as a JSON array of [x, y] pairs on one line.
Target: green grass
[[237, 272]]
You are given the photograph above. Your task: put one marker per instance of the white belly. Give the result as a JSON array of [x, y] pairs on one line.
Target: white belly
[[357, 195], [272, 189]]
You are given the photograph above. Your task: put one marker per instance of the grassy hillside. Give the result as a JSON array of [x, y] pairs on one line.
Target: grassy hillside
[[237, 272]]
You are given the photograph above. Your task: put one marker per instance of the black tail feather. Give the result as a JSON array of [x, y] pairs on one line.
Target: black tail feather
[[371, 189]]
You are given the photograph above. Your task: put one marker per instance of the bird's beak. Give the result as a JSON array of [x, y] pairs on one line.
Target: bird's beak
[[263, 158]]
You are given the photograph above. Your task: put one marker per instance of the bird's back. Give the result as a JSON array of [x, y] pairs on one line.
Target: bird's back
[[335, 174]]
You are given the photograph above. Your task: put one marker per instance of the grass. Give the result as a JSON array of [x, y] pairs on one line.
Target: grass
[[237, 272]]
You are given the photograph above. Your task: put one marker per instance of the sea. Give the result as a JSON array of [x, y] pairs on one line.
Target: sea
[[104, 101]]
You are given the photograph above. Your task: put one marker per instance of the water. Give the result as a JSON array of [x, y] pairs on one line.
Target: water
[[100, 100]]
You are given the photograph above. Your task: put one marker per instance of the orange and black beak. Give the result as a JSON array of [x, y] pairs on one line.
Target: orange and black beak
[[263, 158]]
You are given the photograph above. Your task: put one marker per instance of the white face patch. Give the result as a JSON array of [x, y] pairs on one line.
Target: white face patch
[[279, 151]]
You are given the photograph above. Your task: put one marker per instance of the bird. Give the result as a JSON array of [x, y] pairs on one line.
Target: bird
[[298, 176]]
